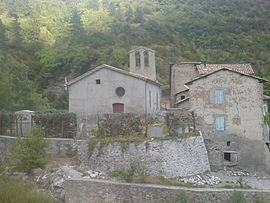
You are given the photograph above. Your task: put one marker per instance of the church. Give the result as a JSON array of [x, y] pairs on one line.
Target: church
[[107, 89]]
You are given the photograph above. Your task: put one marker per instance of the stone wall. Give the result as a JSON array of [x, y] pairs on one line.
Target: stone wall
[[58, 147], [170, 158], [84, 191]]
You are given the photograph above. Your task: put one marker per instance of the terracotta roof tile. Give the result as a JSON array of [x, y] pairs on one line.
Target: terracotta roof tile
[[209, 68]]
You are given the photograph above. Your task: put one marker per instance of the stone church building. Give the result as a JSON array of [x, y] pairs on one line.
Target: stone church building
[[107, 89]]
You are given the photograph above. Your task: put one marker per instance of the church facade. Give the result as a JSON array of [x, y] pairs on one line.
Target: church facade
[[107, 89]]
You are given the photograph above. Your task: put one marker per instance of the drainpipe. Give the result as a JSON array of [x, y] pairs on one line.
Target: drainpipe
[[145, 110], [145, 98]]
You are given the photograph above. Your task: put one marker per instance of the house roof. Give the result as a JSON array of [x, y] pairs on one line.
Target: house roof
[[265, 97], [182, 101], [241, 68], [141, 47], [227, 69], [185, 90], [71, 82]]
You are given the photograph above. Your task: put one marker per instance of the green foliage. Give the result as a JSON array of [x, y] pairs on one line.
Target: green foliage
[[175, 120], [238, 197], [267, 118], [30, 151], [258, 198], [243, 183], [15, 191], [47, 40], [57, 124], [120, 124], [181, 198], [135, 173]]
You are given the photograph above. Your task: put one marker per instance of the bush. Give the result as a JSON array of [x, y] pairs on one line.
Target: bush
[[238, 197], [13, 190], [30, 151], [57, 124], [135, 173], [181, 198]]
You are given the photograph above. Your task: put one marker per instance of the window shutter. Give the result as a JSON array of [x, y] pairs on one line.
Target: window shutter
[[219, 97], [220, 123]]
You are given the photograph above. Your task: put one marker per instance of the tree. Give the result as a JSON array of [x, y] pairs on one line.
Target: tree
[[129, 15], [17, 37], [30, 151], [2, 34], [75, 26], [139, 15]]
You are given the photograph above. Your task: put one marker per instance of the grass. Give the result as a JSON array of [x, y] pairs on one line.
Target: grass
[[138, 138], [15, 191], [237, 187], [136, 173]]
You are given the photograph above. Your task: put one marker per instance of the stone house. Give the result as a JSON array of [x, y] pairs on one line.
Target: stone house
[[107, 89], [228, 102]]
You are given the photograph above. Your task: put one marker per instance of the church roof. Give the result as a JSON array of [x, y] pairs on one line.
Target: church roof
[[71, 82], [141, 47]]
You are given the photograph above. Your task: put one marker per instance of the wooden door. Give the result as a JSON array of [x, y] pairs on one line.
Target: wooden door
[[118, 108]]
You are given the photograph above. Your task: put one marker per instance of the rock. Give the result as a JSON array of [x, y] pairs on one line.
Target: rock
[[201, 180], [70, 172], [37, 170]]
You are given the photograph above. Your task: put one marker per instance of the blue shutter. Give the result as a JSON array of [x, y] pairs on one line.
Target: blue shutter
[[220, 123], [219, 96]]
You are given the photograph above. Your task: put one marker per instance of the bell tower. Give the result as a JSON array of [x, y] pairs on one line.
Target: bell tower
[[142, 62]]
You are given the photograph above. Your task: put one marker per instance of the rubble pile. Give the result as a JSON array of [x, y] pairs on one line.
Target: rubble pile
[[201, 180], [238, 173], [55, 178]]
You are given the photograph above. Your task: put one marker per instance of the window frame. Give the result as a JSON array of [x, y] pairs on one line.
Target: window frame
[[98, 81], [219, 96], [220, 123]]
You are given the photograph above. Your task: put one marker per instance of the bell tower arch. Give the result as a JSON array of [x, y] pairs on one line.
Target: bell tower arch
[[142, 62]]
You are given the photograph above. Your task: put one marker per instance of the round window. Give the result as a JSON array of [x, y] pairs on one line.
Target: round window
[[120, 91]]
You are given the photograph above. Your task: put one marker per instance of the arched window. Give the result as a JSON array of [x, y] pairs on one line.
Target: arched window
[[146, 58], [137, 58]]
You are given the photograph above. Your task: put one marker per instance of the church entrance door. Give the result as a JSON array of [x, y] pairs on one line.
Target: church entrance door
[[118, 108]]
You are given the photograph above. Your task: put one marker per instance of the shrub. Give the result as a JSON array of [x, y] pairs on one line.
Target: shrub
[[15, 191], [181, 198], [57, 124], [30, 151], [135, 173], [238, 197]]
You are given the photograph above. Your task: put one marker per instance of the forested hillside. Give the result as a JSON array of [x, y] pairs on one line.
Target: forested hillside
[[44, 41]]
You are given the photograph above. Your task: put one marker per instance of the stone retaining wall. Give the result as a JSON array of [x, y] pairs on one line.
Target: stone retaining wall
[[169, 158], [58, 147], [85, 191]]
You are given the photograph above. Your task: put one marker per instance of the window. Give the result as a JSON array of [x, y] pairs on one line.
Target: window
[[146, 59], [230, 158], [227, 156], [182, 97], [120, 91], [157, 101], [219, 96], [150, 99], [265, 109], [138, 59], [220, 123], [98, 81]]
